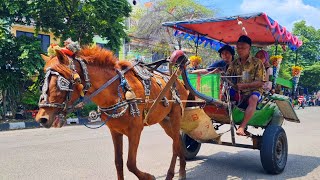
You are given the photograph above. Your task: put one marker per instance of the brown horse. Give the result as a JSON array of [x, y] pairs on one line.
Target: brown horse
[[102, 65]]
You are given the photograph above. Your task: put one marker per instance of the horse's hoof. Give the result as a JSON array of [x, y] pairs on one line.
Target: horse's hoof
[[182, 177]]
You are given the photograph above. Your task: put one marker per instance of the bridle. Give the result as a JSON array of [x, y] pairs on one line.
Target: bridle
[[64, 84], [68, 85]]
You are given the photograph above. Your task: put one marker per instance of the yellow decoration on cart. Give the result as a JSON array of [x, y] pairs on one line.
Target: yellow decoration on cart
[[296, 70], [276, 60], [196, 59]]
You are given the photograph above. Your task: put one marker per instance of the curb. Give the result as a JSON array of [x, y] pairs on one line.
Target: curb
[[30, 125], [18, 125]]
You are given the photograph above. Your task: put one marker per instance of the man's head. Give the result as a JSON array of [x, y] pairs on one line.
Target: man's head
[[243, 46], [226, 53]]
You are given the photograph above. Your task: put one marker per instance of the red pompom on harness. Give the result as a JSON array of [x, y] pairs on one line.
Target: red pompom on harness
[[67, 51]]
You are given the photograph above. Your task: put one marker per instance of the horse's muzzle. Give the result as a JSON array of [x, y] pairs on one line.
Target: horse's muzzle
[[44, 121]]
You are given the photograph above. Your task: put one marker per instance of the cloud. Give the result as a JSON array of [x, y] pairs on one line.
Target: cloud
[[286, 12]]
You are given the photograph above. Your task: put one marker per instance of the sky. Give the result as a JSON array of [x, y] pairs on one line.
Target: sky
[[286, 12]]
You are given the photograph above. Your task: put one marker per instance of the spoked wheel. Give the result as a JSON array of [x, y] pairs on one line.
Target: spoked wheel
[[274, 149], [190, 146]]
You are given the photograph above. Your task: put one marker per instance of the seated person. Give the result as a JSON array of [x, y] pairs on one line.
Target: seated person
[[264, 57], [253, 77], [227, 55]]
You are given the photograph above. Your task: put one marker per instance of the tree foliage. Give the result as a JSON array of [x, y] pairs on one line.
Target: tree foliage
[[307, 56], [78, 19], [146, 23], [310, 50], [19, 61], [310, 78]]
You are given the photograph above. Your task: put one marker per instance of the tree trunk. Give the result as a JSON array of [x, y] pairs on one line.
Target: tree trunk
[[4, 93]]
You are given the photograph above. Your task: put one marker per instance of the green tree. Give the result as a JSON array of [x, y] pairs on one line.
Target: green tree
[[310, 78], [78, 19], [19, 61], [310, 50], [307, 56], [308, 53]]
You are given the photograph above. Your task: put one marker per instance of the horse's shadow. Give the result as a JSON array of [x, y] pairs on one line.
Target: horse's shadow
[[246, 165]]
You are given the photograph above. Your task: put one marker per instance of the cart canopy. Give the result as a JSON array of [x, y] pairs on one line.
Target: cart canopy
[[216, 32]]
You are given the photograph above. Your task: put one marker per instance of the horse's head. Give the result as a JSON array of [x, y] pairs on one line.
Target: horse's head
[[61, 88]]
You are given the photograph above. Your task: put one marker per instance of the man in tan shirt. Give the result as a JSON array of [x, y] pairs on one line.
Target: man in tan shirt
[[250, 85]]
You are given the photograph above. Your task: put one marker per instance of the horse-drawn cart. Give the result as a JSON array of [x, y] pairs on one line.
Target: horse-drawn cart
[[201, 120], [132, 95]]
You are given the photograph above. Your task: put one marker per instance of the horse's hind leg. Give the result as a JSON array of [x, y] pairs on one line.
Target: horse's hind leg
[[134, 139], [118, 152], [172, 129]]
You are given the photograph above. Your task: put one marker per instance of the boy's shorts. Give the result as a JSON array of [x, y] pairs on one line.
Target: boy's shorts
[[241, 99]]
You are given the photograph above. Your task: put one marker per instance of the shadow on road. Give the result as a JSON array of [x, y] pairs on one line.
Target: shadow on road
[[246, 165]]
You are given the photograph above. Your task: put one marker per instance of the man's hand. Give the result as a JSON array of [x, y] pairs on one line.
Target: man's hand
[[241, 86]]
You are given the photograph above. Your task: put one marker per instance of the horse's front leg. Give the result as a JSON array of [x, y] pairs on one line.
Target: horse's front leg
[[134, 139], [118, 152], [172, 128]]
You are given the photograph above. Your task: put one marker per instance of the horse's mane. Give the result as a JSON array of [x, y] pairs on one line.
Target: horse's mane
[[92, 55], [99, 56]]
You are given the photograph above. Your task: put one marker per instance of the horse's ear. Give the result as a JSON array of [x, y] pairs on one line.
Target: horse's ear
[[63, 59], [44, 57]]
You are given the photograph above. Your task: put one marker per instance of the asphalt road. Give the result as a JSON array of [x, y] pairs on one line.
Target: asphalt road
[[76, 152]]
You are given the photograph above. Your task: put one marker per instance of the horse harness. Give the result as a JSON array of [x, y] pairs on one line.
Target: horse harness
[[64, 84], [140, 70], [131, 101]]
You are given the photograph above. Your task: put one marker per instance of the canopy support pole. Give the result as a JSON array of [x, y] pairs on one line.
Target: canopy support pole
[[197, 44], [296, 60]]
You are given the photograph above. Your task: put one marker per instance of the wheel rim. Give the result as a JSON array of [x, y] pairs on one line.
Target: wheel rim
[[280, 151], [191, 144]]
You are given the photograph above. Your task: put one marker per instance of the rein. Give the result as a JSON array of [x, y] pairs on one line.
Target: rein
[[86, 99], [62, 83]]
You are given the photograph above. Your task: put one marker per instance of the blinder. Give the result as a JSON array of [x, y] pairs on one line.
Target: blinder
[[63, 85]]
